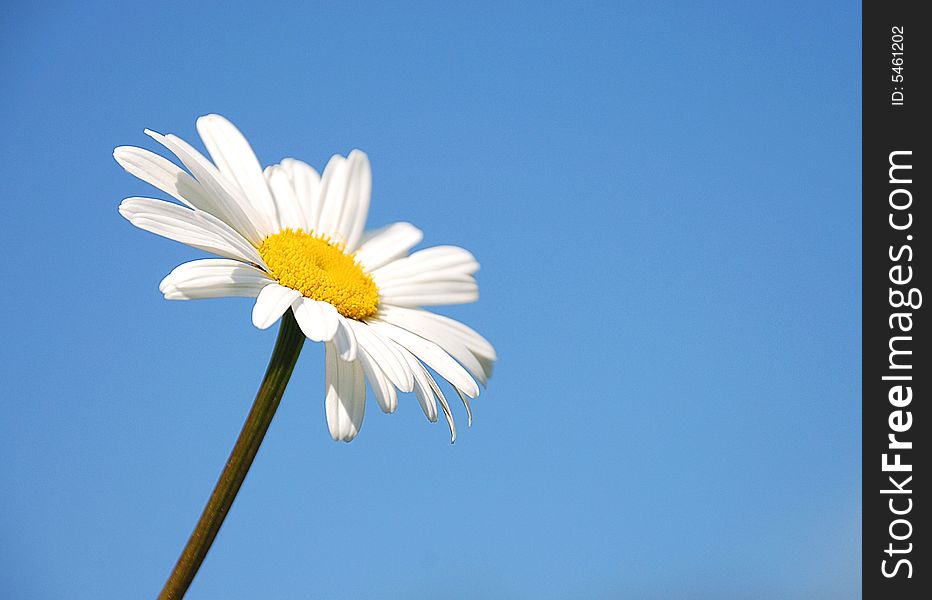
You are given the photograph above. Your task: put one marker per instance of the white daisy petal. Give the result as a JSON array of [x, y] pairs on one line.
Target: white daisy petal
[[346, 395], [162, 173], [439, 276], [290, 214], [386, 353], [465, 401], [434, 276], [432, 355], [441, 329], [235, 158], [475, 342], [306, 182], [387, 244], [445, 286], [213, 278], [333, 185], [271, 304], [422, 388], [193, 227], [436, 294], [344, 340], [382, 387], [487, 365], [356, 204], [436, 258], [318, 320], [346, 187], [413, 321], [447, 413], [225, 200]]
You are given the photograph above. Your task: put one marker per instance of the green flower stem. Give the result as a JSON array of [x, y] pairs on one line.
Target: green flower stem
[[287, 348]]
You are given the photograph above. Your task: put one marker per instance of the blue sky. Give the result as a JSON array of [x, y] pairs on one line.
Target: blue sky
[[664, 198]]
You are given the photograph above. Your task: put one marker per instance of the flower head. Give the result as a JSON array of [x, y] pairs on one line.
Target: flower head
[[294, 240]]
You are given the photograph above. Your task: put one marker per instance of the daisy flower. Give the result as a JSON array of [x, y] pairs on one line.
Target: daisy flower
[[294, 240]]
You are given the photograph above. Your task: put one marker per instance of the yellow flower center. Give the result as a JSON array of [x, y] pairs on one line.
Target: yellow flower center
[[322, 270]]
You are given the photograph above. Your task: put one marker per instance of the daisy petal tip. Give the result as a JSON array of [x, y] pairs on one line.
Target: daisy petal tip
[[473, 391], [208, 118], [349, 354], [344, 436], [357, 154], [123, 155], [213, 121], [260, 321]]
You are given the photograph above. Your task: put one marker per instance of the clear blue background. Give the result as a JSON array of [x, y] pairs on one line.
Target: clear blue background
[[665, 201]]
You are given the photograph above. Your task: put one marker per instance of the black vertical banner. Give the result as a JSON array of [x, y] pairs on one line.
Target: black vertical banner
[[897, 370]]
